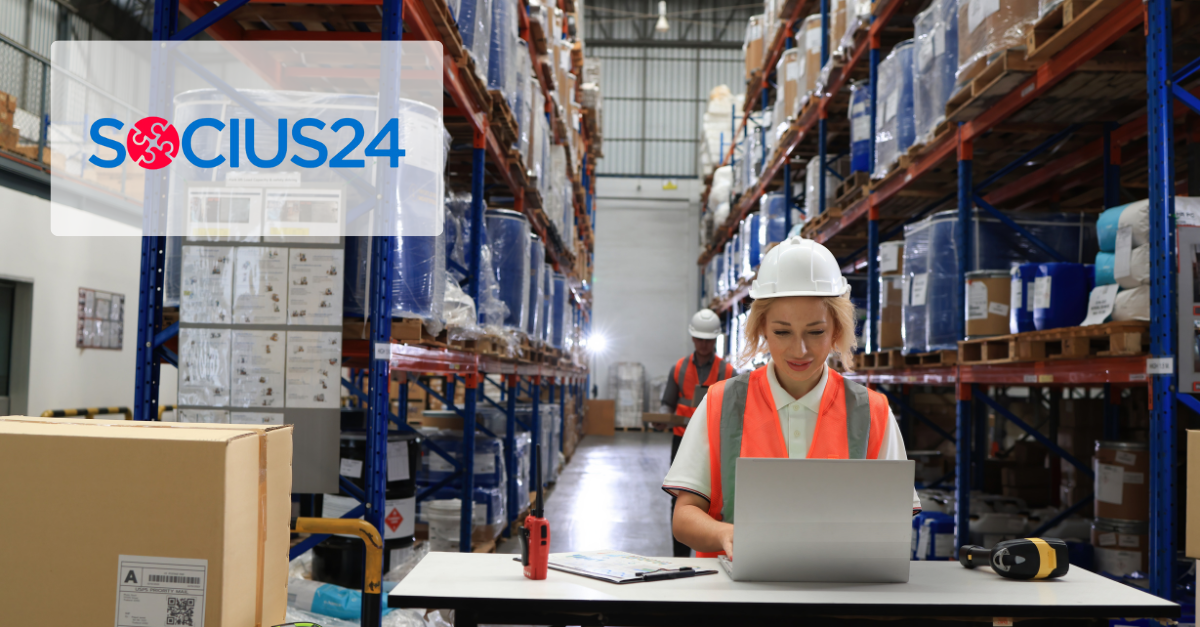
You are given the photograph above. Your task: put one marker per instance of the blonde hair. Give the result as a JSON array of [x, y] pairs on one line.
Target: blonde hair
[[841, 312]]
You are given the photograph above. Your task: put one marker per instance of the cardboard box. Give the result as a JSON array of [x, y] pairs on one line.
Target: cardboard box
[[891, 318], [104, 510], [601, 417]]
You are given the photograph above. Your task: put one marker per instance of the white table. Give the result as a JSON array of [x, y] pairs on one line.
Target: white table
[[489, 588]]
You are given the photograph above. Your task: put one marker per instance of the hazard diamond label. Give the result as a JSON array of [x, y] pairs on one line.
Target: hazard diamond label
[[394, 519]]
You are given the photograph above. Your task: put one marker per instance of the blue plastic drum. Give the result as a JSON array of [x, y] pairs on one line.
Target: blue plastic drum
[[916, 281], [558, 311], [860, 126], [418, 284], [1060, 295], [1020, 313], [773, 225], [756, 247], [547, 301], [508, 237]]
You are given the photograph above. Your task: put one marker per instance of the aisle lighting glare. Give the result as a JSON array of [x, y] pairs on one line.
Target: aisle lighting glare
[[596, 343]]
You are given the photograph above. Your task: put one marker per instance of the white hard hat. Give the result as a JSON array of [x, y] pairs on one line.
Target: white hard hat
[[705, 325], [798, 267]]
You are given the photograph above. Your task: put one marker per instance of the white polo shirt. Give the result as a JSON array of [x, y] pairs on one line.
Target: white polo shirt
[[798, 419]]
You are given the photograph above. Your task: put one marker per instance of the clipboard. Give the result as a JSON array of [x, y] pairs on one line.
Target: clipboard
[[620, 567]]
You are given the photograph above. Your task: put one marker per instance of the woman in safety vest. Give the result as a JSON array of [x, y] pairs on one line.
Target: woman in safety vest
[[794, 406]]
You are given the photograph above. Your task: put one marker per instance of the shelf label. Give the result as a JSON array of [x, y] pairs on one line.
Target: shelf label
[[1160, 365], [1045, 378], [383, 350], [1030, 378], [1139, 377]]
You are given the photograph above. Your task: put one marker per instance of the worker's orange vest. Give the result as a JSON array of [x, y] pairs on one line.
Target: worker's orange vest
[[687, 377], [743, 422]]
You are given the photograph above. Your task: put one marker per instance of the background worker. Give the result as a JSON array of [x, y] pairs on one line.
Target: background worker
[[688, 381], [795, 406]]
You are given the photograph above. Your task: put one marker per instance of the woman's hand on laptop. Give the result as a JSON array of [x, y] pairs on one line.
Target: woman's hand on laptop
[[726, 536], [695, 528]]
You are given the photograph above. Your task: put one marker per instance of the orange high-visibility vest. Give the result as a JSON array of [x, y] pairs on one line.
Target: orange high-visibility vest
[[743, 422], [687, 377]]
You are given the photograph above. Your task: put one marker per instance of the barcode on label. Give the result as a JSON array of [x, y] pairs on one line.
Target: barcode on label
[[174, 579]]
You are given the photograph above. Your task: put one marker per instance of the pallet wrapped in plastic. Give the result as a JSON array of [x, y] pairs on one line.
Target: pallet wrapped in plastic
[[789, 74], [994, 246], [894, 131], [524, 104], [474, 20], [988, 27], [502, 55], [859, 112], [722, 277], [551, 440], [489, 457], [508, 237], [753, 44], [537, 264], [418, 276], [915, 284], [558, 308], [837, 26], [934, 63], [627, 381], [812, 192], [858, 17], [808, 39], [772, 225]]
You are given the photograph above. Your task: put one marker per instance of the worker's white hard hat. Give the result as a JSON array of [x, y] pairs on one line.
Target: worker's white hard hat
[[705, 325], [798, 267]]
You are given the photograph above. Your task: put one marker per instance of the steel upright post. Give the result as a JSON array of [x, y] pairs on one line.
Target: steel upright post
[[1160, 157], [383, 250], [963, 408], [154, 247], [535, 425], [512, 382]]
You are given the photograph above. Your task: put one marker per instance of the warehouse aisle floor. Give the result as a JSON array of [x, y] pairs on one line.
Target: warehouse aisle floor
[[610, 497]]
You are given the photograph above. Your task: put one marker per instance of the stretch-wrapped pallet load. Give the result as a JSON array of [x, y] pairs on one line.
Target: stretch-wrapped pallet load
[[1124, 258], [508, 237], [547, 302], [525, 86], [475, 25], [934, 65], [717, 130], [894, 131], [789, 73], [502, 56], [722, 278], [915, 284], [753, 44], [809, 39], [537, 264], [627, 380], [931, 263], [860, 126], [772, 225], [837, 26], [418, 276], [812, 192], [558, 309], [858, 17], [988, 27]]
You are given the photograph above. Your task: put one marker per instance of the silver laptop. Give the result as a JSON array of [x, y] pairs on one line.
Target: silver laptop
[[822, 520]]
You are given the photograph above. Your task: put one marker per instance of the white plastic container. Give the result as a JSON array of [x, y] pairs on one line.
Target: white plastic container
[[445, 523]]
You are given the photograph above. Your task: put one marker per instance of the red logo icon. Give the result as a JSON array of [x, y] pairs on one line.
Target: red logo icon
[[153, 143], [393, 519]]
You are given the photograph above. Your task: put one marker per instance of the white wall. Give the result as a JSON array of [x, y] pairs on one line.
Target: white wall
[[646, 284], [62, 376]]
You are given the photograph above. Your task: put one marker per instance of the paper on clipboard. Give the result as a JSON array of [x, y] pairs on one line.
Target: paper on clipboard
[[613, 566]]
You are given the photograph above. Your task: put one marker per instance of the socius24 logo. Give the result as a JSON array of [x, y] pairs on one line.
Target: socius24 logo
[[154, 143]]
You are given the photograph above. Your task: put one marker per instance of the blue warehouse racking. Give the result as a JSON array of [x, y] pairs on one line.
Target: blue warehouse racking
[[947, 171], [492, 165]]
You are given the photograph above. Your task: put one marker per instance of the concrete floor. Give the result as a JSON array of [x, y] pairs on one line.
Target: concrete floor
[[610, 497]]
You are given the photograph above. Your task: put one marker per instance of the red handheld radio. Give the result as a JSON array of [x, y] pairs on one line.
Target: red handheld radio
[[535, 535]]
